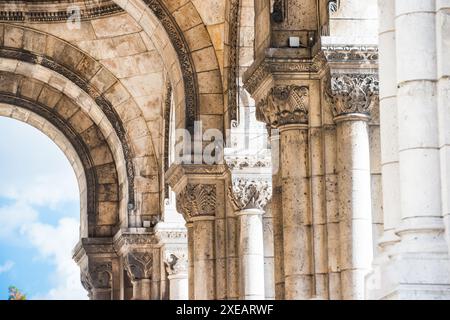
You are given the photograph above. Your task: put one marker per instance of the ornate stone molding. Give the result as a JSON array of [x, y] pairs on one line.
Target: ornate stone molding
[[176, 262], [124, 240], [139, 265], [353, 93], [55, 11], [351, 54], [197, 200], [187, 65], [284, 105], [235, 10], [250, 194], [244, 162]]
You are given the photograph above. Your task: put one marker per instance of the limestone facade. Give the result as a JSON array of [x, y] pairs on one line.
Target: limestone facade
[[244, 149]]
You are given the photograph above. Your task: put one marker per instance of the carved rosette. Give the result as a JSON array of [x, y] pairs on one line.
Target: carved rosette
[[139, 265], [250, 194], [176, 263], [284, 105], [197, 200], [353, 93], [97, 275]]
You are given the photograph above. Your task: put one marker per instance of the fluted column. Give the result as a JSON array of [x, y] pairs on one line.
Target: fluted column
[[250, 198], [286, 108], [352, 101], [177, 269]]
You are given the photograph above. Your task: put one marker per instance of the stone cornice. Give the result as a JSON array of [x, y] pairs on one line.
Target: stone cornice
[[282, 61], [93, 246], [177, 174], [284, 105], [356, 54]]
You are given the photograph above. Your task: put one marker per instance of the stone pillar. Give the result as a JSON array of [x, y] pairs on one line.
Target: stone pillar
[[250, 198], [100, 268], [443, 75], [200, 189], [269, 265], [191, 282], [286, 108], [277, 213], [352, 101], [422, 228], [177, 269], [389, 123]]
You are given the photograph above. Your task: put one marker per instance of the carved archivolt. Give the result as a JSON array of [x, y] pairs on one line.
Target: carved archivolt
[[250, 194], [353, 93], [197, 200], [284, 105], [139, 265]]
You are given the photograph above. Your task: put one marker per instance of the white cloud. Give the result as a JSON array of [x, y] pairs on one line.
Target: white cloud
[[13, 217], [56, 243], [36, 175], [7, 266]]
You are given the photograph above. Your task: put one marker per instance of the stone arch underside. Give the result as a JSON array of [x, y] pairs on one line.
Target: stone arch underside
[[67, 68], [83, 135]]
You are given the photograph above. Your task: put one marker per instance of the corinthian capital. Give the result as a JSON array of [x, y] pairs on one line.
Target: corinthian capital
[[250, 194], [176, 263], [96, 275], [139, 265], [284, 105], [353, 93], [197, 200]]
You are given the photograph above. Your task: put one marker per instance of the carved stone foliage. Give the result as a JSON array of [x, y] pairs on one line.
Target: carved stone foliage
[[197, 200], [176, 263], [97, 276], [284, 105], [250, 194], [353, 93], [353, 54], [139, 265]]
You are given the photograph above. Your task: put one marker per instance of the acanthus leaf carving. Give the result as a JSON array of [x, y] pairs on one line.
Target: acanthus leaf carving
[[353, 93], [250, 194], [139, 265], [197, 200], [284, 105], [97, 275]]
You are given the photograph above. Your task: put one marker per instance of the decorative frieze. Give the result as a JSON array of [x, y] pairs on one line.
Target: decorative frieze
[[351, 54], [197, 200], [353, 93], [139, 265], [250, 194], [284, 105]]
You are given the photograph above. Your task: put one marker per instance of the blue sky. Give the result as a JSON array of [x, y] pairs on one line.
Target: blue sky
[[39, 215]]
